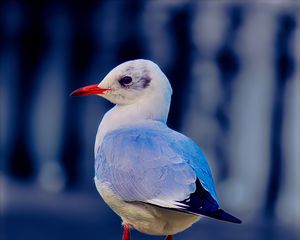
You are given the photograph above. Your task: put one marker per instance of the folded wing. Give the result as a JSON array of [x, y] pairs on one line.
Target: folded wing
[[154, 164]]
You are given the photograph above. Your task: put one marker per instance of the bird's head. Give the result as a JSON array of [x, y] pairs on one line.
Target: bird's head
[[129, 82]]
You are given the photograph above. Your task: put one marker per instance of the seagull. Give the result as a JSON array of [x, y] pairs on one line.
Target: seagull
[[156, 179]]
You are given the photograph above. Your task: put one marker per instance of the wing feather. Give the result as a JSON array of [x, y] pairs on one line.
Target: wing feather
[[152, 163]]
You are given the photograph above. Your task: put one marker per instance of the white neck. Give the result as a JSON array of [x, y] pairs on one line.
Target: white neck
[[153, 108]]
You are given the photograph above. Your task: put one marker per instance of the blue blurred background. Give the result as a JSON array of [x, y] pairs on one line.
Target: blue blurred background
[[234, 68]]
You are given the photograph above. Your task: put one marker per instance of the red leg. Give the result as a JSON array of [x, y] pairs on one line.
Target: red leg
[[169, 237], [126, 232]]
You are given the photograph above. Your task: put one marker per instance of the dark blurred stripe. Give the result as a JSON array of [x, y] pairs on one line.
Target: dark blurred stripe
[[284, 68]]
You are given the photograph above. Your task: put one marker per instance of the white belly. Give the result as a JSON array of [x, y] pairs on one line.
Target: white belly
[[146, 218]]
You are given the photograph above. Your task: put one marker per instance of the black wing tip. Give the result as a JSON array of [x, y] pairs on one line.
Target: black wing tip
[[224, 216], [201, 202]]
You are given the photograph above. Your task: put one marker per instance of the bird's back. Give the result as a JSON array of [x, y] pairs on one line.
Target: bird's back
[[149, 160], [153, 164]]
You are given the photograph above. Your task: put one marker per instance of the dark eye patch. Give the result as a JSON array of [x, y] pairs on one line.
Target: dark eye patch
[[125, 81]]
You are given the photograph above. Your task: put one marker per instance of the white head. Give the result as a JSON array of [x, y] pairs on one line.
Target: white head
[[132, 82]]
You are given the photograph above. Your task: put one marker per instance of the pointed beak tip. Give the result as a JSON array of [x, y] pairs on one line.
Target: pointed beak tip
[[78, 92], [72, 94]]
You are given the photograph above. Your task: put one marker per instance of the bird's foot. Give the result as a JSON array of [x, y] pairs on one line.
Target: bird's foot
[[169, 237], [126, 232]]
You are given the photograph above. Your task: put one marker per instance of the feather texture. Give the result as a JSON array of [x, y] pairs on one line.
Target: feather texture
[[151, 163]]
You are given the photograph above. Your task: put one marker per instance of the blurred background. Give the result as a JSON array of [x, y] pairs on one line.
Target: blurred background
[[234, 68]]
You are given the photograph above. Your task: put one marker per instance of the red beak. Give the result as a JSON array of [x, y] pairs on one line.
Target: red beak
[[89, 90]]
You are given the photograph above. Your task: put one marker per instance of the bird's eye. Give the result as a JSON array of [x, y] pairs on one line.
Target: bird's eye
[[125, 81]]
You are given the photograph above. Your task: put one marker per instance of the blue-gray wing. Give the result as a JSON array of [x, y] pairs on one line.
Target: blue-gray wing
[[154, 164]]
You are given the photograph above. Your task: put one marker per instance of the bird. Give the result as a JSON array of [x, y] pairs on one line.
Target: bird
[[156, 179]]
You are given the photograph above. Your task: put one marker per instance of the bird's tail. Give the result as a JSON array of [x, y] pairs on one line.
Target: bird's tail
[[224, 216]]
